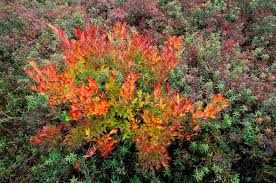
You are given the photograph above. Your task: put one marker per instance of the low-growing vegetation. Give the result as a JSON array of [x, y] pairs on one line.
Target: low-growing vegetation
[[137, 91]]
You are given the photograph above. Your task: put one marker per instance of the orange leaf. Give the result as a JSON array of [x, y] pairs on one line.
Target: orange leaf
[[90, 152]]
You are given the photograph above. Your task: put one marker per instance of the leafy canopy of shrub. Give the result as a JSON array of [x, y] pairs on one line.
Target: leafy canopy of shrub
[[114, 86]]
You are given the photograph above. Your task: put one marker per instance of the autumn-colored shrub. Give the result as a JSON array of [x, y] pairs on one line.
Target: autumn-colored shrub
[[114, 87]]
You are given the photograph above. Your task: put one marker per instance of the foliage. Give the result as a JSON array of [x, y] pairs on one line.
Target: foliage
[[139, 109], [228, 48]]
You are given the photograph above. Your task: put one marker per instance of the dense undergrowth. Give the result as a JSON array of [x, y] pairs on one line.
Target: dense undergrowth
[[228, 48]]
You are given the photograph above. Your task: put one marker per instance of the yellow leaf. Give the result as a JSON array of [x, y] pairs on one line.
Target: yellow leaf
[[87, 132], [67, 118], [113, 131]]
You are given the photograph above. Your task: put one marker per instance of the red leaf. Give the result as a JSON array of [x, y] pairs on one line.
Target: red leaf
[[90, 152], [78, 32], [77, 165]]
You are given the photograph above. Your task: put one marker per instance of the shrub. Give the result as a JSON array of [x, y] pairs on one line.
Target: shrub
[[114, 87]]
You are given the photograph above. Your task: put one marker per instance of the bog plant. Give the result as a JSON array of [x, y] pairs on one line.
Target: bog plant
[[114, 87]]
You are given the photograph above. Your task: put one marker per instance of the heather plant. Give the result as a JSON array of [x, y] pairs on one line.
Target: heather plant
[[212, 64], [36, 42], [228, 66], [141, 107], [224, 60]]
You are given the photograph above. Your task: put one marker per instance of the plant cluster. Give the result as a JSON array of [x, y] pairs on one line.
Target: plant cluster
[[227, 48], [113, 86]]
